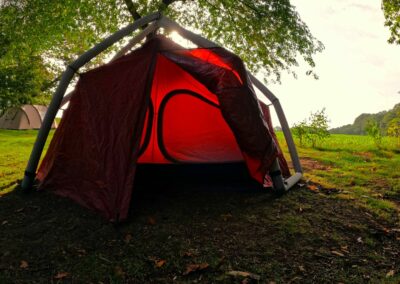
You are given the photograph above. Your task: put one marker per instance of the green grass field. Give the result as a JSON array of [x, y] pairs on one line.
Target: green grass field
[[358, 169], [15, 148], [341, 224]]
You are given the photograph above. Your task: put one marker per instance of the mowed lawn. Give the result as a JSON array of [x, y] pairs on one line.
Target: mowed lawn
[[15, 148], [359, 170], [341, 224]]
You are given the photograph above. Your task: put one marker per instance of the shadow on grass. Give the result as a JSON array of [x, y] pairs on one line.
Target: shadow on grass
[[186, 189], [190, 217]]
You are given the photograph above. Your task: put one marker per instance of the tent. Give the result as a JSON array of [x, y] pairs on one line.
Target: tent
[[24, 117], [158, 104]]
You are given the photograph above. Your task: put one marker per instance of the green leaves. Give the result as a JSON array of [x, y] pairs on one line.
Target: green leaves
[[391, 10], [373, 130], [267, 34], [394, 128], [38, 38], [21, 80]]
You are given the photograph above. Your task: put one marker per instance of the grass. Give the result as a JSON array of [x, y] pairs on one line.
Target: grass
[[355, 166], [15, 148], [341, 225]]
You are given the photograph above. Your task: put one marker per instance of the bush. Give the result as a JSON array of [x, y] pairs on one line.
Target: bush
[[394, 128], [373, 130], [312, 130], [300, 131]]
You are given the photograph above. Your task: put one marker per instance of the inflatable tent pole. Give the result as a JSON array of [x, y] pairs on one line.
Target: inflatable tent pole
[[282, 119], [286, 131], [150, 28], [203, 42], [66, 78]]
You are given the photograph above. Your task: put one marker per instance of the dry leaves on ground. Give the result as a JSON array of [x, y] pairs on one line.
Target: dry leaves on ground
[[61, 275], [190, 268], [244, 274], [23, 264]]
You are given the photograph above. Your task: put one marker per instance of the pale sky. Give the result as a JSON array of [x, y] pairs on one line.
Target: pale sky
[[359, 71]]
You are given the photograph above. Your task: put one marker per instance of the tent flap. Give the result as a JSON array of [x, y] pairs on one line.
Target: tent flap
[[91, 158]]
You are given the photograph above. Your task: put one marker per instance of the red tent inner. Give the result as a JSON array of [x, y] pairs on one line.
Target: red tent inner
[[183, 122]]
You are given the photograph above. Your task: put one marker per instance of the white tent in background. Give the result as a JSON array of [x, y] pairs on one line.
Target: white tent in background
[[24, 117]]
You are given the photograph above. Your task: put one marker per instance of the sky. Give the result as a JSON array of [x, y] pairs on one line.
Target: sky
[[359, 72]]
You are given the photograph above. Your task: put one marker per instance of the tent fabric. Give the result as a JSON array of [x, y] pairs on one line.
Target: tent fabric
[[281, 159], [24, 117], [159, 104]]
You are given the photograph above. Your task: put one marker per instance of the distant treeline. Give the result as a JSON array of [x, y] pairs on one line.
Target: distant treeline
[[383, 119]]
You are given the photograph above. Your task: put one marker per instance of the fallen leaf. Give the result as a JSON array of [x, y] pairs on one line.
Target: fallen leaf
[[128, 238], [226, 217], [61, 275], [4, 222], [151, 220], [345, 249], [359, 240], [390, 273], [187, 254], [301, 268], [20, 210], [159, 262], [312, 187], [119, 271], [337, 253], [301, 209], [195, 267], [24, 264], [245, 274]]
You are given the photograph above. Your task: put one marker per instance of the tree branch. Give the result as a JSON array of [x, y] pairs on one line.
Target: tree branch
[[132, 9], [168, 2], [164, 4]]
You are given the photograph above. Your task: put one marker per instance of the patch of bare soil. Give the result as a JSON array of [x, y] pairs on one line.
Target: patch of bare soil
[[197, 231], [367, 156], [310, 164]]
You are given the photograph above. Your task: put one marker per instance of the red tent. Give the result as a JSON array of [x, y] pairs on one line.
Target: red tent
[[159, 104]]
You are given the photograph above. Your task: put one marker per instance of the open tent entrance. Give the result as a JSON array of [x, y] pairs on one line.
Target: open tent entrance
[[159, 104], [184, 123]]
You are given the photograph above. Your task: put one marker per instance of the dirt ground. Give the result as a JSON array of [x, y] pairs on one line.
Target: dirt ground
[[187, 229]]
